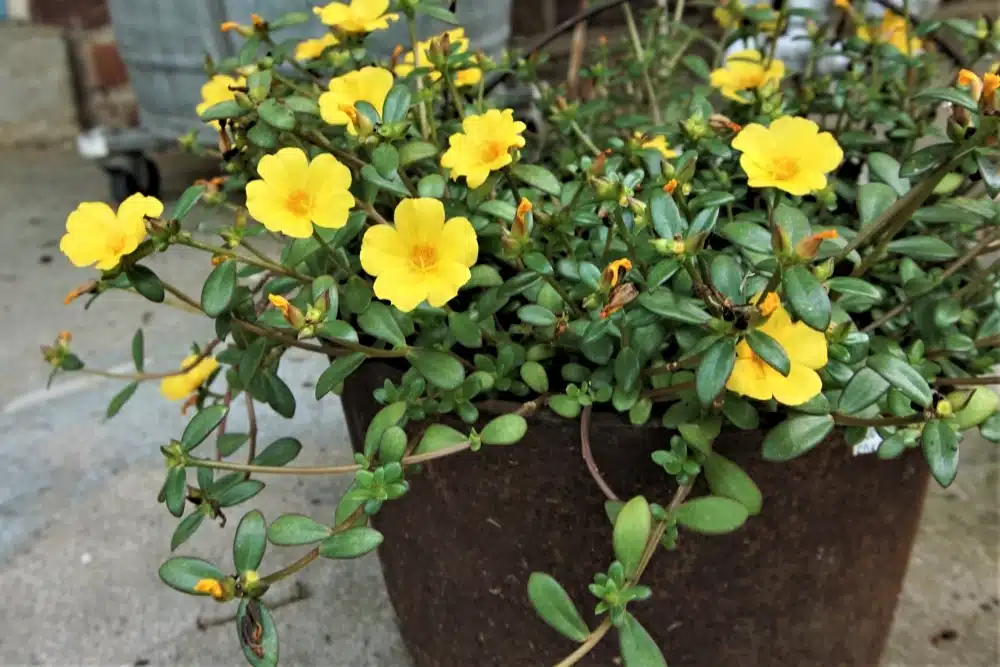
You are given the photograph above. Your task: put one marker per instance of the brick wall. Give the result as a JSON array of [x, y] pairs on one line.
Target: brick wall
[[104, 94]]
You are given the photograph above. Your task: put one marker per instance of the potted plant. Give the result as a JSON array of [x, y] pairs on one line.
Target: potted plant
[[662, 368]]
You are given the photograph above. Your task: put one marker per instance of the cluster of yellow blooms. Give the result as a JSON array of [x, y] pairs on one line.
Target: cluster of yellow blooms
[[422, 256]]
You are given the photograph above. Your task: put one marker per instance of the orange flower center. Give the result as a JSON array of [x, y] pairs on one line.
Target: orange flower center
[[423, 257], [493, 150], [785, 167], [298, 203]]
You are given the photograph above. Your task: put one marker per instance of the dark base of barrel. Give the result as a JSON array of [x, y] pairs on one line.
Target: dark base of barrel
[[811, 581]]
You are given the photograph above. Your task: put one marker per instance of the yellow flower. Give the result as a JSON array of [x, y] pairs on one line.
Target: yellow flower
[[659, 143], [483, 146], [420, 257], [357, 16], [744, 70], [368, 84], [218, 89], [293, 194], [182, 385], [211, 587], [891, 31], [615, 271], [311, 49], [97, 235], [791, 155], [465, 77], [806, 350], [843, 4], [982, 90]]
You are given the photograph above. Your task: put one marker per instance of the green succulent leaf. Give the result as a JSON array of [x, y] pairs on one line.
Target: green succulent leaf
[[554, 606]]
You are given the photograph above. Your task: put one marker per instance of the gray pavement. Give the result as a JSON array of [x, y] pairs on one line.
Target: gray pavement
[[81, 535]]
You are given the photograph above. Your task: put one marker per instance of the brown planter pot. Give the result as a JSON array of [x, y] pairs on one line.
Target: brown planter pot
[[813, 580]]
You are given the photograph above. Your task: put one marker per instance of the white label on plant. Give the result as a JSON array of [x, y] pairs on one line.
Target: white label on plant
[[868, 444]]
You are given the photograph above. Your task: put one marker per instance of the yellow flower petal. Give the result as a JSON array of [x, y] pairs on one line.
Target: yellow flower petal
[[459, 239], [443, 286], [798, 387], [382, 250], [419, 220], [179, 387], [368, 84], [753, 139], [749, 378], [310, 49], [401, 290], [326, 171]]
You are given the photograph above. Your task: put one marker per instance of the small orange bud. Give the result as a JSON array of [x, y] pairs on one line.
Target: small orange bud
[[809, 246], [258, 21], [597, 168], [210, 586], [670, 186], [218, 259], [521, 217], [227, 26], [719, 122], [602, 40], [74, 294], [991, 83], [279, 302], [64, 338]]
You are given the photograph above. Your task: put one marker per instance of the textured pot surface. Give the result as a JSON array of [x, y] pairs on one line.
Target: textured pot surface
[[813, 580]]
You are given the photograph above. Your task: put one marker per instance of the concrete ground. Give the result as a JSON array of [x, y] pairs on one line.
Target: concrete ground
[[81, 536]]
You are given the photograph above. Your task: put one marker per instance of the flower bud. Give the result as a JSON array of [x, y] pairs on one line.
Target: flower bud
[[640, 211], [695, 127], [662, 246], [982, 28], [221, 590], [243, 100], [522, 219], [360, 121], [686, 189], [974, 408], [89, 287], [604, 189], [824, 270], [292, 314], [233, 26], [809, 246], [670, 186], [719, 123]]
